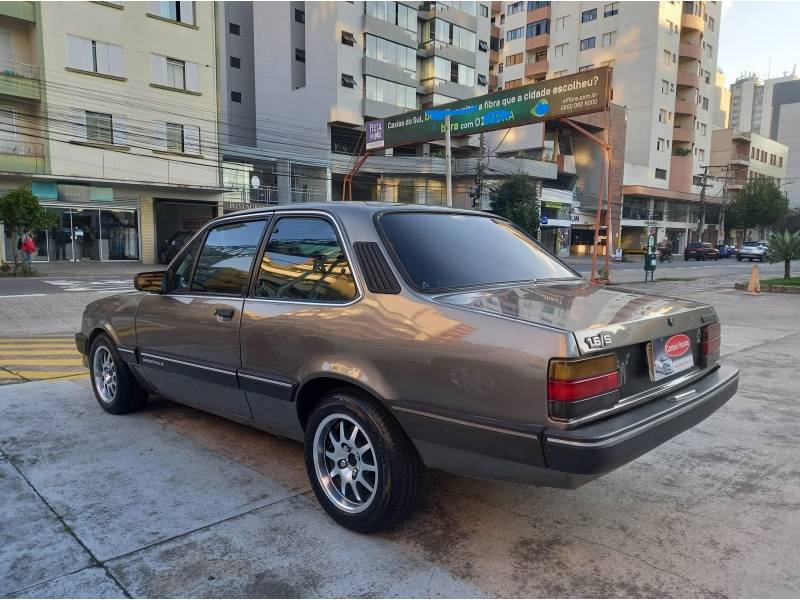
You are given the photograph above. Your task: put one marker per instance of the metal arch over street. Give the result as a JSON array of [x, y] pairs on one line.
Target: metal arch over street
[[571, 95]]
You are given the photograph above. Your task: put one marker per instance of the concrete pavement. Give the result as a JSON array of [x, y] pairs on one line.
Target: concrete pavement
[[174, 502]]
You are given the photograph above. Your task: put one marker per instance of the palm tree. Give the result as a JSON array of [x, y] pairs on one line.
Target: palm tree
[[784, 247]]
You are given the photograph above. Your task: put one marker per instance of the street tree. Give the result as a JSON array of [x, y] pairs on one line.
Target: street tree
[[759, 203], [515, 200], [784, 247], [20, 211]]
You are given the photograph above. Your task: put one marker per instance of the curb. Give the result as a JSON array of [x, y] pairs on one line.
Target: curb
[[779, 289]]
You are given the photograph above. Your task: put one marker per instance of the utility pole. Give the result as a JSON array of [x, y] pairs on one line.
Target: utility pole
[[703, 185], [448, 155]]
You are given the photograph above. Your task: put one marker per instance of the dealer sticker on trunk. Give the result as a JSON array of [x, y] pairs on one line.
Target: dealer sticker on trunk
[[670, 355]]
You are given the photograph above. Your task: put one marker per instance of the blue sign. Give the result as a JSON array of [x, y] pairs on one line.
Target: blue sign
[[543, 221]]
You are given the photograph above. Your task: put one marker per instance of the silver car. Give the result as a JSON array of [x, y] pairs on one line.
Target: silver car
[[752, 251], [388, 338]]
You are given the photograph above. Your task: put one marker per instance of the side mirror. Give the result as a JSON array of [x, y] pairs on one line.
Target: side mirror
[[151, 281]]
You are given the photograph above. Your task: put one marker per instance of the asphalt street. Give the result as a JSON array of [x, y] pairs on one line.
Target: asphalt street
[[173, 502]]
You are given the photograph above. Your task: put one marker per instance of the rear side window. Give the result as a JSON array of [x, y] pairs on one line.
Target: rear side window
[[304, 260], [443, 251], [227, 256]]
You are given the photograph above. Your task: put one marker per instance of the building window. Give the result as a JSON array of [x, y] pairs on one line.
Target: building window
[[299, 15], [611, 9], [394, 13], [482, 80], [669, 27], [667, 57], [588, 15], [484, 10], [514, 83], [182, 12], [348, 39], [184, 139], [701, 154], [94, 56], [661, 144], [390, 92], [710, 23], [176, 73], [514, 59], [702, 129], [709, 50], [383, 50], [560, 50], [300, 55], [515, 34], [587, 43], [585, 68], [705, 103], [780, 161], [561, 23], [236, 96], [662, 115], [560, 73], [483, 46], [534, 4], [236, 62], [661, 173], [607, 63], [515, 8], [538, 28], [234, 28], [99, 128], [348, 81], [609, 39]]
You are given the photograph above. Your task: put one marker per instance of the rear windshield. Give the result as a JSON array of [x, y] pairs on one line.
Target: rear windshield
[[443, 251], [751, 244]]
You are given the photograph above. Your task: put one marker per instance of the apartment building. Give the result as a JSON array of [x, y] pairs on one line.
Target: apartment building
[[721, 102], [785, 127], [751, 103], [110, 117], [293, 118]]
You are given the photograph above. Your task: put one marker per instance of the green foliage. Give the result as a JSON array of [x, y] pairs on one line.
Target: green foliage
[[783, 247], [758, 203], [20, 211], [515, 200], [681, 151]]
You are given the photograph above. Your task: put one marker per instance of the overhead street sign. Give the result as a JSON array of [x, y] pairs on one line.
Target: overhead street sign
[[571, 95]]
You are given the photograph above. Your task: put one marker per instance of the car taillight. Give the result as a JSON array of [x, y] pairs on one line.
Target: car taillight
[[571, 381], [712, 337]]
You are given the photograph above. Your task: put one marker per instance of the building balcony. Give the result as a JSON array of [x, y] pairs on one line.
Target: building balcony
[[19, 79], [740, 158], [566, 164], [687, 50], [685, 107], [537, 41], [497, 7], [690, 21], [536, 69], [21, 157], [688, 79], [493, 82], [22, 11], [682, 134], [494, 57], [680, 173], [537, 14], [495, 32]]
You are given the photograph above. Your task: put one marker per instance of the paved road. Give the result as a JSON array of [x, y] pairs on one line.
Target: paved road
[[33, 358], [174, 502]]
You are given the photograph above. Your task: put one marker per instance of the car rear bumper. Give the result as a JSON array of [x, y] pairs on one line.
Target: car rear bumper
[[607, 444]]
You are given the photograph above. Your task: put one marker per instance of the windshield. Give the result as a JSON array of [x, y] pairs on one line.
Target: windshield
[[442, 251], [751, 244]]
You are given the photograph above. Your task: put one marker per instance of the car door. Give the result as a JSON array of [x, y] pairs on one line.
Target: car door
[[188, 336], [303, 284]]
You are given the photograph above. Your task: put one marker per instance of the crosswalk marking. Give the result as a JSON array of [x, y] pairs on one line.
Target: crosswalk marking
[[29, 359], [88, 285]]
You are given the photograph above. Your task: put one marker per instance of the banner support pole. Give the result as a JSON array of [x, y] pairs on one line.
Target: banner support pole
[[448, 156]]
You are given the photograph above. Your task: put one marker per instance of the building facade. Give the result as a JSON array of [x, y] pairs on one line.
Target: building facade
[[785, 127], [751, 103], [110, 114]]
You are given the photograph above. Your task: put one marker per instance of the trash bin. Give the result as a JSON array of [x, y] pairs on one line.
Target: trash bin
[[649, 265]]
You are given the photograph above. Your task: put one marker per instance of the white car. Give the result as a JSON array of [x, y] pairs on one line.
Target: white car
[[752, 251]]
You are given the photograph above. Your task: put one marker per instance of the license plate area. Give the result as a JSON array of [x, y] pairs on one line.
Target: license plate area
[[670, 355]]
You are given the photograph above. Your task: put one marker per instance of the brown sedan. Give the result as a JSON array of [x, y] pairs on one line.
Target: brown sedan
[[389, 338]]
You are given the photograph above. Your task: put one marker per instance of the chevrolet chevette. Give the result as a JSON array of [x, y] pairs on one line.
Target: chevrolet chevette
[[388, 338]]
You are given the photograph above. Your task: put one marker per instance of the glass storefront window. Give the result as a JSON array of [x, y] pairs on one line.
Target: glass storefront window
[[120, 235], [82, 234]]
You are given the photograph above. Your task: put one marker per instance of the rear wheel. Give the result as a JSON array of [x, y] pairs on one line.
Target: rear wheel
[[116, 390], [362, 467], [739, 259]]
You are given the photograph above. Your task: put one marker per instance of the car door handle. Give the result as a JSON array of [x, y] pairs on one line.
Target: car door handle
[[224, 312]]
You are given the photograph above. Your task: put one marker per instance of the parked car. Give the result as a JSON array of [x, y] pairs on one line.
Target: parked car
[[726, 251], [700, 251], [752, 251], [386, 339], [172, 246]]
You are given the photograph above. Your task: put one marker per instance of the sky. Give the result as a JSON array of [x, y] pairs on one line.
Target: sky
[[760, 37]]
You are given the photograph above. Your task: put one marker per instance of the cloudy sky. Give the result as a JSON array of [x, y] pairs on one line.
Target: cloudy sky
[[759, 36]]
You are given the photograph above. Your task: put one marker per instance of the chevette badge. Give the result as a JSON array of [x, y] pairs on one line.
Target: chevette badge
[[601, 340]]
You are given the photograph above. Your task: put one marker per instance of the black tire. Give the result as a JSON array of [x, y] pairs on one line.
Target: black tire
[[685, 257], [397, 467], [128, 395], [739, 259], [750, 259]]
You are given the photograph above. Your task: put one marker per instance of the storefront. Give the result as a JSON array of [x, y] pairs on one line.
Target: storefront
[[91, 224], [556, 210]]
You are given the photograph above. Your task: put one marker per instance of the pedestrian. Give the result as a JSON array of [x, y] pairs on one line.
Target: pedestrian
[[29, 248]]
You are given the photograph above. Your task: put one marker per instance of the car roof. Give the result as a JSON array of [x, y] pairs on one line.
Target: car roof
[[352, 207]]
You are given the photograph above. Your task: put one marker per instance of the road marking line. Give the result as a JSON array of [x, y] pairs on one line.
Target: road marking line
[[42, 362], [22, 295], [35, 339], [43, 352], [39, 345], [34, 375]]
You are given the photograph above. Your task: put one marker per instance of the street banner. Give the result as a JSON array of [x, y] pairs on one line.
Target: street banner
[[571, 95]]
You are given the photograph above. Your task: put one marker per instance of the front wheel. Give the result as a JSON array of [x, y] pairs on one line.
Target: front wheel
[[362, 467], [739, 259], [116, 390]]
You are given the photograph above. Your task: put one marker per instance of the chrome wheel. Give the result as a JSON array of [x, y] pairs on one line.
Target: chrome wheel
[[104, 370], [345, 463]]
